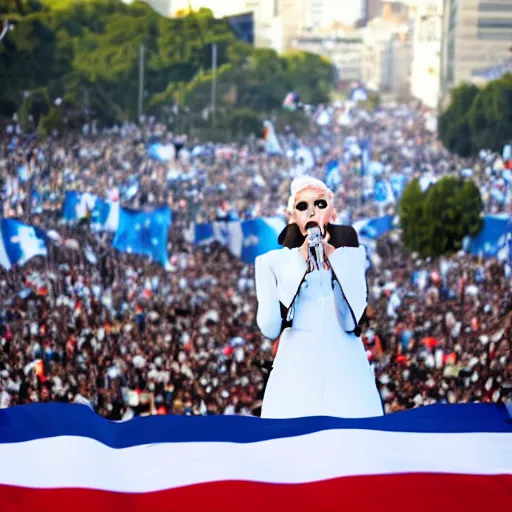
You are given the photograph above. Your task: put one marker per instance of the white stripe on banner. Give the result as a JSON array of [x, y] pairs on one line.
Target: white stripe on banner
[[67, 461]]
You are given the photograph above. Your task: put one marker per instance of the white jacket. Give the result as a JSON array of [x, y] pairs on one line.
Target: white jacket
[[279, 273]]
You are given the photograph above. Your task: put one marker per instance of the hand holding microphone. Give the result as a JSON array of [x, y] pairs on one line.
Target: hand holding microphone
[[315, 247]]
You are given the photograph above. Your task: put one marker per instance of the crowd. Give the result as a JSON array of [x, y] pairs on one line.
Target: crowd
[[128, 337]]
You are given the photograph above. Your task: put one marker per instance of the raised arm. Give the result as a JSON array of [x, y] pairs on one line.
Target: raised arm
[[269, 310]]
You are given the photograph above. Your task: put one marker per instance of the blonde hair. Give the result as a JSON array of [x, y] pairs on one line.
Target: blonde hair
[[303, 182]]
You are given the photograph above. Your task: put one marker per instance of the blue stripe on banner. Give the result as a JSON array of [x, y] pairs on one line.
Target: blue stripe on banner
[[35, 421]]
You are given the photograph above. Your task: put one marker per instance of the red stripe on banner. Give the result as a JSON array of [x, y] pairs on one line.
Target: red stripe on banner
[[394, 493]]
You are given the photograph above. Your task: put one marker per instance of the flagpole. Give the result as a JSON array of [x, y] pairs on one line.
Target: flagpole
[[141, 79], [214, 78]]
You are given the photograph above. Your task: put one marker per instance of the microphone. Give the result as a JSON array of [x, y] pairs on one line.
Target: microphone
[[315, 247]]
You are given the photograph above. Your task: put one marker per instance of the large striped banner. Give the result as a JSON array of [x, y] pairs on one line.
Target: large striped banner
[[58, 457]]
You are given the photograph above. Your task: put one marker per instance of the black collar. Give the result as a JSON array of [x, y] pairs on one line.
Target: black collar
[[291, 236]]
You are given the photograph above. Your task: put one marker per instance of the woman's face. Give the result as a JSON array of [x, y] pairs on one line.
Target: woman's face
[[312, 205]]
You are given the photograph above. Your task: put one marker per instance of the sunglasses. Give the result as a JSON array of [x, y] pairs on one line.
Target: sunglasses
[[302, 206]]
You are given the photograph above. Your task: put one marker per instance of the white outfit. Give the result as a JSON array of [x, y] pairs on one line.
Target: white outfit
[[320, 369]]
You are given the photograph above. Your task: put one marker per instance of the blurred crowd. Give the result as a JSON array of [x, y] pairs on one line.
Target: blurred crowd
[[128, 337]]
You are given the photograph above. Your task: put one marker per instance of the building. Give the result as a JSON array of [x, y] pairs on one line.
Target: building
[[477, 35], [387, 57], [344, 51], [162, 7], [426, 52], [275, 22], [372, 9], [394, 12]]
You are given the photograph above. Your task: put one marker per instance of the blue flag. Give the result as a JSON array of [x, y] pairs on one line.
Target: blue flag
[[375, 227], [102, 215], [20, 242], [383, 193], [245, 239], [398, 182], [144, 233], [492, 241]]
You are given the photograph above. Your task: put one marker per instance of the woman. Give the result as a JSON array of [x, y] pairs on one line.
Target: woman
[[321, 368]]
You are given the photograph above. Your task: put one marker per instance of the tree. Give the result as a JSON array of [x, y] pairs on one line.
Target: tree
[[454, 127], [436, 221], [478, 118], [87, 53], [411, 211], [490, 115]]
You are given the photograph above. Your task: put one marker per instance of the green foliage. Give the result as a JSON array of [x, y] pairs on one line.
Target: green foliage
[[436, 221], [454, 128], [478, 118], [87, 52], [490, 116], [412, 216]]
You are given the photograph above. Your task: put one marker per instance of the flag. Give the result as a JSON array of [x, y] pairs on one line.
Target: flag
[[383, 193], [398, 182], [492, 240], [439, 457], [375, 227], [162, 152], [86, 207], [272, 146], [144, 232], [245, 239], [20, 242]]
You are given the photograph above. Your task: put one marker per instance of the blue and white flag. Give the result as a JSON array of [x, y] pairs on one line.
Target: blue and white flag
[[375, 227], [145, 233], [245, 239], [383, 193], [103, 215], [162, 152], [20, 242], [78, 206], [398, 182], [493, 239]]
